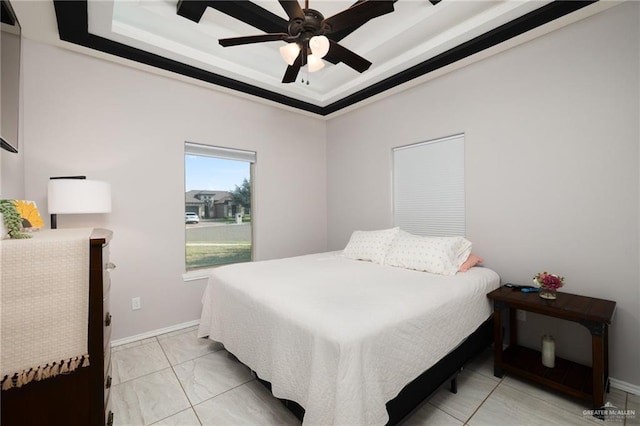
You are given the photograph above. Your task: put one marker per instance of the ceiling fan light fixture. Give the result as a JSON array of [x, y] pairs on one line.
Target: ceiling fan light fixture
[[290, 52], [319, 45], [306, 29], [315, 63]]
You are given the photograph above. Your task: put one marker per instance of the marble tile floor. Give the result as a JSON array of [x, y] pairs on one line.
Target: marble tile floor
[[180, 380]]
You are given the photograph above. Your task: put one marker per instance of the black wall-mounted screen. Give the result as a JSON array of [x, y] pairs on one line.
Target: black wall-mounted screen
[[9, 78]]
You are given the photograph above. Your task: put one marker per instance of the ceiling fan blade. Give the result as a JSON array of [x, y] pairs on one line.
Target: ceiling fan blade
[[338, 53], [291, 73], [293, 9], [339, 35], [244, 11], [235, 41], [359, 13]]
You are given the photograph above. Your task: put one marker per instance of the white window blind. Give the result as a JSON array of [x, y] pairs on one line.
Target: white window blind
[[191, 148], [428, 187]]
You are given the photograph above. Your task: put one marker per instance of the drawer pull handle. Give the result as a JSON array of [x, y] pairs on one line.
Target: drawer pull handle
[[107, 319], [108, 384], [110, 419], [110, 266]]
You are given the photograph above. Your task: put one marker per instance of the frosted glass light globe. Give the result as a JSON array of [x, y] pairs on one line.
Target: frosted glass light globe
[[315, 63], [290, 52], [319, 46]]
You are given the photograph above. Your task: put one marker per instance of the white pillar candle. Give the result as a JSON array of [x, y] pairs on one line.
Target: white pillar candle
[[548, 351]]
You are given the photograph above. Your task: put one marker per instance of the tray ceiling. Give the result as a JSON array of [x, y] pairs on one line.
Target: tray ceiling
[[414, 40]]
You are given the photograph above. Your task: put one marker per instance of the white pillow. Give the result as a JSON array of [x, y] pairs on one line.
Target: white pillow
[[370, 245], [438, 255]]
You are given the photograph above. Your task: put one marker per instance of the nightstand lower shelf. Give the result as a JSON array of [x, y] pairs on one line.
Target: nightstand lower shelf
[[589, 383], [567, 376]]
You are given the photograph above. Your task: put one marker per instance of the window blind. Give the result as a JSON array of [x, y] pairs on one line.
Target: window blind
[[191, 148], [428, 187]]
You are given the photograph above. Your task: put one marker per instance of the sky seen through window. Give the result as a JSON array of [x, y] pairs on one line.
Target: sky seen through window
[[210, 173]]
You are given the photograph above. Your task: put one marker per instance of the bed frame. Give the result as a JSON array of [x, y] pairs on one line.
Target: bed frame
[[420, 389]]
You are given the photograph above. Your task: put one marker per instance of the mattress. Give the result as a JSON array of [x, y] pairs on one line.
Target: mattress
[[338, 336]]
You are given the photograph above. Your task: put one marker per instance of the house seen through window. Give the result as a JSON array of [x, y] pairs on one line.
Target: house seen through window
[[218, 190]]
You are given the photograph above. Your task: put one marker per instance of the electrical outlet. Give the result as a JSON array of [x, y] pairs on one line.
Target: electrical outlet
[[521, 315], [135, 304]]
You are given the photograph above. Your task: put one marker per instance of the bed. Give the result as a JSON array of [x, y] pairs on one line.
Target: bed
[[343, 337]]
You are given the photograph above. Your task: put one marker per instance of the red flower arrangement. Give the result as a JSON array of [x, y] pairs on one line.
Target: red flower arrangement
[[548, 281]]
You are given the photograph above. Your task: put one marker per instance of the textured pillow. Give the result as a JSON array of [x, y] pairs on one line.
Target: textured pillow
[[471, 261], [438, 255], [370, 245]]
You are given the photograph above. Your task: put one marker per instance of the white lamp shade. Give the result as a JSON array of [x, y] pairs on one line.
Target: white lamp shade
[[68, 196], [315, 63], [290, 52], [319, 46]]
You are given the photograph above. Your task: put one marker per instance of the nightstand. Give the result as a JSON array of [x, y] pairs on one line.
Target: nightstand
[[589, 383]]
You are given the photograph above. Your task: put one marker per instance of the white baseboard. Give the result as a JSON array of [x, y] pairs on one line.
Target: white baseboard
[[154, 333], [624, 386]]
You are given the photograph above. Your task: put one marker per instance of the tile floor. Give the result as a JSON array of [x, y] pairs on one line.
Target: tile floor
[[178, 379]]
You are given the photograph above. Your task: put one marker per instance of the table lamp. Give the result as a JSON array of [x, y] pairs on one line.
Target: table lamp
[[77, 195]]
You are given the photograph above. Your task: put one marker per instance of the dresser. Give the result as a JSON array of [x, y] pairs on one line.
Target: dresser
[[100, 268], [82, 396]]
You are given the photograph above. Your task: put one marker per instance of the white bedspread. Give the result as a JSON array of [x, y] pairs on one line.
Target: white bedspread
[[338, 336]]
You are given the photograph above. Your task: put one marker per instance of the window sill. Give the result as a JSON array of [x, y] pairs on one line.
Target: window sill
[[198, 274]]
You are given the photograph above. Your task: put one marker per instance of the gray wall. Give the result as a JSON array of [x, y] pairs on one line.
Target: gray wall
[[552, 135], [87, 116], [12, 174], [11, 164], [551, 163]]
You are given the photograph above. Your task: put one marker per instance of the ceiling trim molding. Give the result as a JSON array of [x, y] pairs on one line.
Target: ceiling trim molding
[[7, 15], [531, 20], [72, 18]]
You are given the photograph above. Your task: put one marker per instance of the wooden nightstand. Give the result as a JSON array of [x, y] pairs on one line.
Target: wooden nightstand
[[589, 383]]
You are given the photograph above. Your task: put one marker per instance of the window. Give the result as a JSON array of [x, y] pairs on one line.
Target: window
[[218, 207], [428, 187]]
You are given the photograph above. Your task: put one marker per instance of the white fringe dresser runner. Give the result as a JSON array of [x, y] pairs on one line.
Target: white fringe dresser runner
[[44, 288]]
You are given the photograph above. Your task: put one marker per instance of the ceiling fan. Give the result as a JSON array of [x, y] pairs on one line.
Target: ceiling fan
[[311, 36]]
